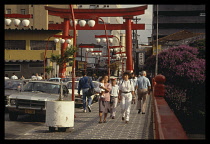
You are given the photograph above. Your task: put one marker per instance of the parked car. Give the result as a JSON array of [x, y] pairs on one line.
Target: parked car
[[57, 79], [69, 86], [11, 87], [32, 99]]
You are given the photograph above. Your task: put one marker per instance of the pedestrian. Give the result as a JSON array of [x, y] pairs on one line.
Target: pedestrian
[[6, 76], [114, 98], [144, 87], [33, 77], [126, 91], [134, 80], [85, 83], [14, 76], [39, 77], [104, 103], [42, 75], [22, 77]]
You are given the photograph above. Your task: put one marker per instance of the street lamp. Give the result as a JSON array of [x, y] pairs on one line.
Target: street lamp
[[17, 22], [56, 40]]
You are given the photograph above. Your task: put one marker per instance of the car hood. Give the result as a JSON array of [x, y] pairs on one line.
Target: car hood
[[9, 92], [35, 96]]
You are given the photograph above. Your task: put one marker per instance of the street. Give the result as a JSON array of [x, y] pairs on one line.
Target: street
[[86, 126], [25, 123]]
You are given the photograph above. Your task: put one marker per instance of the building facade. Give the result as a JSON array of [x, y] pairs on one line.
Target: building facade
[[25, 46], [175, 18]]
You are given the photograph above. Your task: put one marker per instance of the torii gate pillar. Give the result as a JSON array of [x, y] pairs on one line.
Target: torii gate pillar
[[129, 61], [62, 68]]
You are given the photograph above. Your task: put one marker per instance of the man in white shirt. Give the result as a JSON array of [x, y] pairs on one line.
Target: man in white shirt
[[6, 76], [38, 76], [33, 77], [14, 76], [126, 91]]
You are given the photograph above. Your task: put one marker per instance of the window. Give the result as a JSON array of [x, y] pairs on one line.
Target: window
[[8, 11], [15, 44], [12, 67], [22, 11], [202, 14], [36, 65], [51, 22], [41, 45]]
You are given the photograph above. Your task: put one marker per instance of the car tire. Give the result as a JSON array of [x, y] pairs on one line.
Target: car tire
[[13, 116], [51, 129]]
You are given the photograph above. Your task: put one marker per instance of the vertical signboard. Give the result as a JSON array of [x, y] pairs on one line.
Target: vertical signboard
[[141, 58]]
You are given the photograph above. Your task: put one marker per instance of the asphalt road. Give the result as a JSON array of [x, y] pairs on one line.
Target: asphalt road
[[25, 123]]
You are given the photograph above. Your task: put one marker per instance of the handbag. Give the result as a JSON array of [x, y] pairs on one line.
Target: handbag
[[91, 91]]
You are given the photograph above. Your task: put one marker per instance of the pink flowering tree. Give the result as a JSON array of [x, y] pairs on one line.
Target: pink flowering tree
[[184, 69]]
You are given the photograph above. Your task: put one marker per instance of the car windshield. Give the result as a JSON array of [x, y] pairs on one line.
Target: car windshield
[[12, 84], [55, 80], [69, 85], [65, 79], [42, 87]]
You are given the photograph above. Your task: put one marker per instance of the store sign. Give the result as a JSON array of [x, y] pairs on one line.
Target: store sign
[[141, 58]]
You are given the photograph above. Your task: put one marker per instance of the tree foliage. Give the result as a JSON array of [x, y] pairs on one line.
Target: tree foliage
[[66, 58], [180, 65]]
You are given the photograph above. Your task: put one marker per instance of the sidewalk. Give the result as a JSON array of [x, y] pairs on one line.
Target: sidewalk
[[86, 126]]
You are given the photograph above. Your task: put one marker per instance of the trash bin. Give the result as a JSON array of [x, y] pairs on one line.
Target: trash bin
[[60, 114]]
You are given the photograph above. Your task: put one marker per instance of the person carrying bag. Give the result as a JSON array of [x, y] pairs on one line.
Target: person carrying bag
[[85, 83]]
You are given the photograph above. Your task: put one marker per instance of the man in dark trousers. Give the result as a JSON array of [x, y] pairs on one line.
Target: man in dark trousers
[[85, 83]]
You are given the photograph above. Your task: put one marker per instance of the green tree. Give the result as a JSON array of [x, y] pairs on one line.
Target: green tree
[[66, 58]]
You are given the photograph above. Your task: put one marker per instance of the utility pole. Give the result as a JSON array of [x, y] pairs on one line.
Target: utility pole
[[156, 64], [135, 46]]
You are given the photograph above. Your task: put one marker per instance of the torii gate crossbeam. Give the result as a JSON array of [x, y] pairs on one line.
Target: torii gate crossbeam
[[126, 13]]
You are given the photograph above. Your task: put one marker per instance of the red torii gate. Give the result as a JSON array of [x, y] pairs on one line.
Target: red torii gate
[[94, 14]]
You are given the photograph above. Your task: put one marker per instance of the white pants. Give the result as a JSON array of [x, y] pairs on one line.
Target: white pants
[[113, 106], [126, 105]]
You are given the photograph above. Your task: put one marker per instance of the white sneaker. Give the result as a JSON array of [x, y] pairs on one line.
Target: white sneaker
[[89, 108], [84, 111]]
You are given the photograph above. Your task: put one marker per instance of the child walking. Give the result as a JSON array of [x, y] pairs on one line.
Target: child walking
[[114, 98]]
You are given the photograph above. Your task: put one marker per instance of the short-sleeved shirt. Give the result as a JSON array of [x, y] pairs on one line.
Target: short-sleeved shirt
[[126, 86], [143, 82], [134, 81], [115, 90], [14, 77]]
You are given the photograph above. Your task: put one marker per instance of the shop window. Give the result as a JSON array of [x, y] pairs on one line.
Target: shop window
[[12, 67], [41, 45], [15, 44]]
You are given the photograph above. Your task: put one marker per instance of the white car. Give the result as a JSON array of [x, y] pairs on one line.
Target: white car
[[57, 79], [69, 86], [32, 99]]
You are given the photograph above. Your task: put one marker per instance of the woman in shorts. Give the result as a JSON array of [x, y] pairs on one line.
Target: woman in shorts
[[104, 102]]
